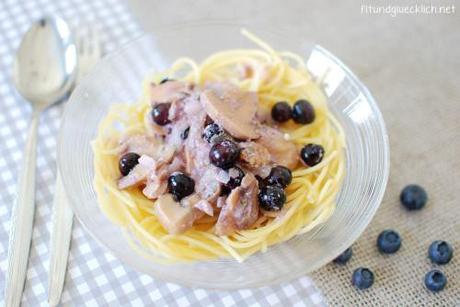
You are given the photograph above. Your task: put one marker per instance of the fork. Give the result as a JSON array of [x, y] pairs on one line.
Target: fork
[[89, 51]]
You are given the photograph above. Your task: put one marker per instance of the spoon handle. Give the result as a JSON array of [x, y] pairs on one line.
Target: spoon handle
[[22, 220], [61, 234]]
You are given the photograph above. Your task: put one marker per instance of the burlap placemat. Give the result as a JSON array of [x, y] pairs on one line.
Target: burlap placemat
[[414, 77]]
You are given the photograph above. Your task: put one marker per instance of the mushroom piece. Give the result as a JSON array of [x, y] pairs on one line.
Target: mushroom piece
[[232, 109], [192, 201], [168, 91], [205, 206], [207, 186], [140, 144], [282, 151], [254, 155], [164, 154], [241, 208], [174, 217], [157, 183]]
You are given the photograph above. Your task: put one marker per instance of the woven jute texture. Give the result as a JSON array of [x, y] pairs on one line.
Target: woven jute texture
[[413, 74]]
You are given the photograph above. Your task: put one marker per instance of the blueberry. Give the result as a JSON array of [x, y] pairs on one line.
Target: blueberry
[[211, 132], [224, 154], [280, 175], [413, 197], [435, 280], [312, 154], [440, 252], [166, 80], [262, 182], [272, 198], [128, 162], [224, 190], [303, 112], [344, 257], [388, 242], [160, 113], [180, 185], [236, 176], [362, 278], [184, 134], [281, 112]]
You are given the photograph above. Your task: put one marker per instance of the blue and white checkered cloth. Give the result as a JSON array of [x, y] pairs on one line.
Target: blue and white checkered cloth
[[94, 277]]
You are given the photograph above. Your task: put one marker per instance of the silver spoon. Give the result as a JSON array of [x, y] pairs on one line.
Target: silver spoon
[[43, 72]]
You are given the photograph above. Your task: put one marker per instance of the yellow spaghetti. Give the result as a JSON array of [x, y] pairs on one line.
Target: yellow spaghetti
[[274, 76]]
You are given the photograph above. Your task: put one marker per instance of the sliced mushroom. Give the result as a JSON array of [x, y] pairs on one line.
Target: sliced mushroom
[[190, 202], [154, 189], [221, 201], [282, 152], [177, 164], [164, 154], [233, 109], [176, 111], [264, 114], [207, 186], [174, 217], [168, 91], [205, 206], [140, 144], [156, 184], [241, 208], [254, 155]]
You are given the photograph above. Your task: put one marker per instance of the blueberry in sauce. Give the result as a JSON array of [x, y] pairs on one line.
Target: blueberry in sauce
[[160, 113], [262, 182], [280, 175], [435, 280], [128, 162], [388, 242], [303, 112], [224, 190], [180, 185], [166, 80], [236, 176], [413, 197], [362, 278], [184, 134], [211, 132], [344, 257], [440, 252], [281, 112], [312, 154], [272, 198], [224, 154]]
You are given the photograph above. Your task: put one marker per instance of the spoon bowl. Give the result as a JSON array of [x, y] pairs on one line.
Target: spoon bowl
[[45, 66]]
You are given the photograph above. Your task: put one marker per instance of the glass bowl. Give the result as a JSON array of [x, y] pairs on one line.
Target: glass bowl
[[117, 78]]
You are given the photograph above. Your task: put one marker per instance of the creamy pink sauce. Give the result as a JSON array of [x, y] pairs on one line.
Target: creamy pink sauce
[[179, 146]]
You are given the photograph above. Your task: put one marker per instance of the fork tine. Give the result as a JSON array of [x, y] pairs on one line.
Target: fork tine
[[90, 50]]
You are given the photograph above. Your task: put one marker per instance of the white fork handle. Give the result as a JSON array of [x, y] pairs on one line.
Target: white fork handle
[[61, 233], [22, 220]]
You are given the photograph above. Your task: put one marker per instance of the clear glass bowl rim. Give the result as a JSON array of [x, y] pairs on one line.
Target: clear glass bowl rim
[[288, 275]]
